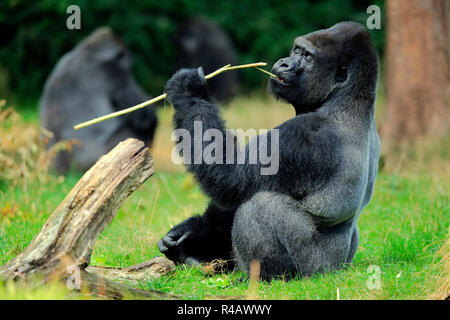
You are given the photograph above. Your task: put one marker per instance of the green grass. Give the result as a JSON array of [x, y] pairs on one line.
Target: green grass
[[400, 231]]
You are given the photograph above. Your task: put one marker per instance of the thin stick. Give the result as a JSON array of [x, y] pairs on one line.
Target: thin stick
[[228, 67], [218, 71], [250, 65], [267, 72]]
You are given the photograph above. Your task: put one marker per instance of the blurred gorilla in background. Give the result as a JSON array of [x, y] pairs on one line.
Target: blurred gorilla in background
[[92, 80], [201, 43]]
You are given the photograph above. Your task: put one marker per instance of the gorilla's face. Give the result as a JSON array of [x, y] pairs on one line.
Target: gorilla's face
[[103, 62], [306, 77], [320, 64]]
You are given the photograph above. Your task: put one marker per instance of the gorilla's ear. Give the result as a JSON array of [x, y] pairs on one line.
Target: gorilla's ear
[[341, 74]]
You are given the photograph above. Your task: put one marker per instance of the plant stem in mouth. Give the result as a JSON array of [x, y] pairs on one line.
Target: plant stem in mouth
[[269, 73]]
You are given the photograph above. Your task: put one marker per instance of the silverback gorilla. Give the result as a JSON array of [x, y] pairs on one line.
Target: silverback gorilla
[[94, 79], [200, 42], [303, 219]]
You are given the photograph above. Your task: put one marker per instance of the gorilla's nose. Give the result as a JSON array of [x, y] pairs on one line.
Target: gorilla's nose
[[284, 65]]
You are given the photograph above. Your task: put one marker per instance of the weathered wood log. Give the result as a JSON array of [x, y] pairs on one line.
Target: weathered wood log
[[156, 267], [63, 247]]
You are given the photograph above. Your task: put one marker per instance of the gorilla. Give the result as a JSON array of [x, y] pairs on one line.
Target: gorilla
[[200, 42], [92, 80], [303, 219]]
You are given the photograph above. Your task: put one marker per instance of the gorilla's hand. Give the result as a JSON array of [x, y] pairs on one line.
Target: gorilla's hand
[[185, 85], [176, 244]]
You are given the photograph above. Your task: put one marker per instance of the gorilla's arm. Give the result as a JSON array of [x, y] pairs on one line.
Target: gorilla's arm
[[306, 146], [226, 184]]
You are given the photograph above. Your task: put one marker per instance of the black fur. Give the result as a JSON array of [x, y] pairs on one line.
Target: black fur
[[303, 219]]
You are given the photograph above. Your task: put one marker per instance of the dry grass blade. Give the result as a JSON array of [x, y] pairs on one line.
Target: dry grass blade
[[228, 67]]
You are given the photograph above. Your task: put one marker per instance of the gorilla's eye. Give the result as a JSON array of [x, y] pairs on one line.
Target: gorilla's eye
[[308, 56], [297, 50], [341, 74]]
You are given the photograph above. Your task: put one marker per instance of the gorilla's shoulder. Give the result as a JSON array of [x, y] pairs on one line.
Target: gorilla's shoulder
[[307, 122]]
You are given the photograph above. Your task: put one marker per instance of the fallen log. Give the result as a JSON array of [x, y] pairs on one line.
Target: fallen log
[[63, 247], [155, 268]]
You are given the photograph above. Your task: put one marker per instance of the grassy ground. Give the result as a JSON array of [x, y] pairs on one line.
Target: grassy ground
[[402, 232]]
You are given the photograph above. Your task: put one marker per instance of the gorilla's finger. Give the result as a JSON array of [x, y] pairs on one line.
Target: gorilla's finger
[[162, 247], [173, 254], [201, 75], [183, 237], [169, 241]]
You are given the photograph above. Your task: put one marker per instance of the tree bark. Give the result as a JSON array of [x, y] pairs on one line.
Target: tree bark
[[417, 70], [63, 247]]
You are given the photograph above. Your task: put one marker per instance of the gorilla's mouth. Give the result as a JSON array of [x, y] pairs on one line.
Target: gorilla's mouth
[[279, 80]]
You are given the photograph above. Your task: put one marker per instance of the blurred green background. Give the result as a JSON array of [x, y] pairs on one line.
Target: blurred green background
[[34, 34]]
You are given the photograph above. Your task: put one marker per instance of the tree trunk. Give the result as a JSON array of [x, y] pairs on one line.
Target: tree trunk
[[417, 70], [63, 248]]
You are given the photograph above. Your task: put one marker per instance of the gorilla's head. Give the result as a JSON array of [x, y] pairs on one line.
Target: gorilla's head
[[103, 45], [103, 60], [326, 64], [102, 65]]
